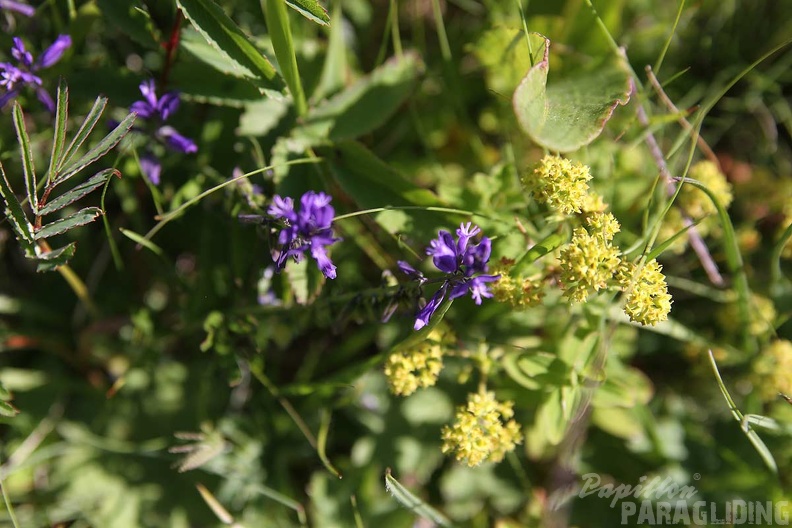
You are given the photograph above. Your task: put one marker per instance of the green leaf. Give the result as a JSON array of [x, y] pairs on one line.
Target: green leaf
[[57, 257], [536, 370], [336, 66], [757, 442], [86, 127], [8, 410], [281, 35], [225, 36], [15, 214], [262, 117], [129, 16], [80, 218], [101, 148], [371, 182], [572, 112], [203, 82], [413, 503], [540, 249], [140, 239], [59, 142], [27, 157], [83, 189], [367, 104], [310, 9], [305, 281]]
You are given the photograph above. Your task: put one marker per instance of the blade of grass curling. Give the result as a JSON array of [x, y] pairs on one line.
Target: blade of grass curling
[[321, 443], [27, 157], [59, 140], [734, 261], [281, 35], [84, 131], [413, 503], [757, 442]]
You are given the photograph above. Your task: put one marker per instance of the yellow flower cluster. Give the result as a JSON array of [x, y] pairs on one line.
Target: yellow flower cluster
[[773, 370], [587, 263], [648, 301], [761, 315], [410, 369], [603, 224], [694, 203], [520, 292], [482, 431], [559, 183]]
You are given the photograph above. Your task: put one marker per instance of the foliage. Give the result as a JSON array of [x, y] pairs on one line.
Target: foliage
[[272, 326]]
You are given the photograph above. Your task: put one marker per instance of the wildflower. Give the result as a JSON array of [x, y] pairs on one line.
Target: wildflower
[[603, 224], [648, 301], [520, 292], [482, 431], [15, 77], [697, 204], [773, 369], [461, 261], [310, 228], [588, 262], [18, 7], [559, 183], [158, 110], [761, 316], [416, 367]]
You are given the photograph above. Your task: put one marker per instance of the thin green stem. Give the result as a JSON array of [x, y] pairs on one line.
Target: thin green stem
[[8, 505], [409, 207], [394, 20]]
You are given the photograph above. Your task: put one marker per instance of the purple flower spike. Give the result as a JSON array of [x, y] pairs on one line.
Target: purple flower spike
[[17, 7], [159, 110], [151, 167], [463, 262], [309, 229], [14, 77]]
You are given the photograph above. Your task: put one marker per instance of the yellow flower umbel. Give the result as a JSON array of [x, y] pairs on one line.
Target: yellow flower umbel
[[416, 367], [773, 370], [520, 292], [482, 431], [697, 204], [559, 183], [587, 263], [648, 301]]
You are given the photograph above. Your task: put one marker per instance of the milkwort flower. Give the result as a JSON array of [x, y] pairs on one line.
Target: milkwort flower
[[15, 77], [309, 229], [157, 110], [463, 262], [17, 7]]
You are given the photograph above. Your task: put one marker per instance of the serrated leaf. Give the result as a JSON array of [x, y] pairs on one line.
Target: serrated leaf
[[572, 112], [81, 190], [80, 218], [367, 104], [413, 503], [203, 83], [8, 410], [103, 147], [129, 16], [225, 36], [15, 214], [50, 260], [310, 9], [27, 157], [84, 131], [59, 141]]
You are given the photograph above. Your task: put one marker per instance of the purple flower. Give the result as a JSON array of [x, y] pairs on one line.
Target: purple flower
[[15, 77], [306, 229], [158, 110], [464, 263], [17, 7]]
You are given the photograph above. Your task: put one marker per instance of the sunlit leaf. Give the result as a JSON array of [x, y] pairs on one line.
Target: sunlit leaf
[[570, 113], [27, 157], [413, 503], [80, 218], [310, 9]]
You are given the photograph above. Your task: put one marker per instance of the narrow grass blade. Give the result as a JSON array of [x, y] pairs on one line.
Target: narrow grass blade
[[86, 127], [335, 68], [214, 505], [102, 148], [757, 442], [321, 444], [15, 214], [310, 9], [658, 250], [27, 157], [141, 240], [59, 141], [281, 35], [541, 248], [93, 183], [57, 257], [80, 218], [413, 503]]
